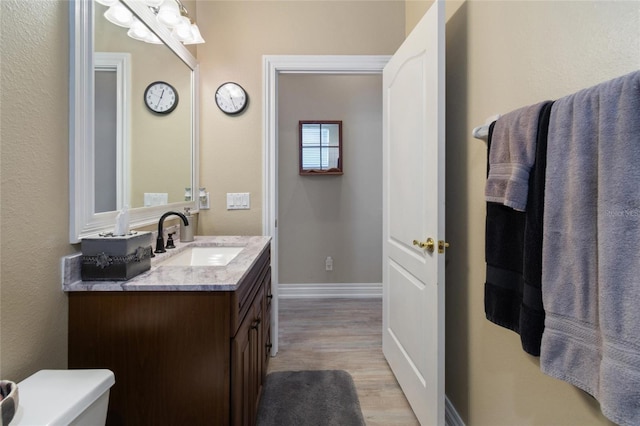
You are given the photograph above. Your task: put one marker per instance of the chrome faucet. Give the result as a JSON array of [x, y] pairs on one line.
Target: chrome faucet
[[160, 239]]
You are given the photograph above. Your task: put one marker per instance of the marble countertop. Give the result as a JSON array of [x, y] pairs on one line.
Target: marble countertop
[[177, 278]]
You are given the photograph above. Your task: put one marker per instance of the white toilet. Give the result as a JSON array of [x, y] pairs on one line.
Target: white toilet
[[64, 397]]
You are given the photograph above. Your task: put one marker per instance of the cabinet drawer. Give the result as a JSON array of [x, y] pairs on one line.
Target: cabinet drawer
[[243, 297]]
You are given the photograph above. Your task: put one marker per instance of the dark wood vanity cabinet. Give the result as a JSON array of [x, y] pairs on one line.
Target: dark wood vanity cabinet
[[250, 354], [179, 357]]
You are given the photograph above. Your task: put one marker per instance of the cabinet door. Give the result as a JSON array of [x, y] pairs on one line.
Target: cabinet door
[[246, 374], [258, 338], [266, 329]]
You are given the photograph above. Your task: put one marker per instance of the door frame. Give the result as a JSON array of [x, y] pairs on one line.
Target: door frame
[[272, 67], [120, 63]]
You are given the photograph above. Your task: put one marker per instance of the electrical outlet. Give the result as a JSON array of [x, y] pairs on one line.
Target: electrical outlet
[[204, 201], [328, 263]]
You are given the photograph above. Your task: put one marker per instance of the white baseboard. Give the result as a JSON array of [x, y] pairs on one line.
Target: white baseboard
[[451, 416], [330, 290]]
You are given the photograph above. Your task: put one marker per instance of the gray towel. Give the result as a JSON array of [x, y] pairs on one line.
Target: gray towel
[[512, 155], [591, 259]]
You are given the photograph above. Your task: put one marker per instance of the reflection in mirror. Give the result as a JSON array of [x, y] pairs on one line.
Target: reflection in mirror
[[112, 105], [121, 152], [159, 155], [320, 147]]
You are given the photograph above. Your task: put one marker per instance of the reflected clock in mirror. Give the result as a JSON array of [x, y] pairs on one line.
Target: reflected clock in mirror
[[161, 97]]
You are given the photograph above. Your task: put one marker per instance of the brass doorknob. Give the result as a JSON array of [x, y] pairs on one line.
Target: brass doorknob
[[429, 244]]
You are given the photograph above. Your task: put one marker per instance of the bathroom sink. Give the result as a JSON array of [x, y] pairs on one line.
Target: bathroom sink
[[203, 256]]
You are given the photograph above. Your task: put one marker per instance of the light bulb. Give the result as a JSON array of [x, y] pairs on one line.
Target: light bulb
[[151, 3], [119, 15], [139, 31], [169, 13], [182, 30], [196, 38], [153, 39], [107, 3]]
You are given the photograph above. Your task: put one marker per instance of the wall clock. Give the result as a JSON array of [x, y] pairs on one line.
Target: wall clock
[[231, 98], [161, 97]]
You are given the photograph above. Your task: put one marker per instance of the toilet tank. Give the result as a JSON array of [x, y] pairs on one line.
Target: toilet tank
[[64, 397]]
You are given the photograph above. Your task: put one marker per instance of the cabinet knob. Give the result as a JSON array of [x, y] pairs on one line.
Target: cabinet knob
[[256, 323]]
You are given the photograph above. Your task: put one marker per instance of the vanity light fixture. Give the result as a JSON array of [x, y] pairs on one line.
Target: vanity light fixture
[[140, 31], [170, 13], [108, 3], [118, 14]]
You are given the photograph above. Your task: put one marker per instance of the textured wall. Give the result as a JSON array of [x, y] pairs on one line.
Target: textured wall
[[34, 215], [337, 216], [238, 33], [502, 55]]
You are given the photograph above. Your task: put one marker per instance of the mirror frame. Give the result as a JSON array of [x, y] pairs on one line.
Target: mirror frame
[[83, 221]]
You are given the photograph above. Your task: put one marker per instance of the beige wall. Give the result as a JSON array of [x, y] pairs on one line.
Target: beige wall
[[34, 215], [337, 216], [500, 56], [414, 11], [238, 33]]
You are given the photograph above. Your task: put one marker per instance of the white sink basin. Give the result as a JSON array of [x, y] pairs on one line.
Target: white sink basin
[[203, 256]]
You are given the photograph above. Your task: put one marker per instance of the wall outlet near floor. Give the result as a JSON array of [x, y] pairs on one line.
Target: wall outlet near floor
[[328, 263], [238, 201]]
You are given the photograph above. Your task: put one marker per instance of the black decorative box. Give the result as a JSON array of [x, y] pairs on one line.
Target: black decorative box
[[111, 258]]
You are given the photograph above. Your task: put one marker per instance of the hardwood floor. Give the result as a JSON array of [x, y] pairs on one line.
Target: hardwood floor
[[343, 334]]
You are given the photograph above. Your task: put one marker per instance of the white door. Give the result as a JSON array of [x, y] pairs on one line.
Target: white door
[[413, 209]]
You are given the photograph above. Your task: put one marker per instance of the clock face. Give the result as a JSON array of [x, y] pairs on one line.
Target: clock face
[[231, 98], [161, 97]]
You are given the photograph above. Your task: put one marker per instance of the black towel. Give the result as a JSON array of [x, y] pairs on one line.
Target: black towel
[[504, 245], [532, 311], [513, 252]]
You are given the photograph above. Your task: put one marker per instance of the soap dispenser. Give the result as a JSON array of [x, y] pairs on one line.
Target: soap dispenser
[[187, 232]]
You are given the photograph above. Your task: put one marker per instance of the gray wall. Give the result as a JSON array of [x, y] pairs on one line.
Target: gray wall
[[337, 216], [105, 143]]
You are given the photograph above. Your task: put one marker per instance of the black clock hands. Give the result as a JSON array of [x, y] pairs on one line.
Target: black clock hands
[[160, 99]]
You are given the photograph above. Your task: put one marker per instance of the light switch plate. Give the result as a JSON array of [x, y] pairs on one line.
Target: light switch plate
[[238, 201]]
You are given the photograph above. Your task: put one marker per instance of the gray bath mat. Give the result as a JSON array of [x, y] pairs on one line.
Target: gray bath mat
[[309, 398]]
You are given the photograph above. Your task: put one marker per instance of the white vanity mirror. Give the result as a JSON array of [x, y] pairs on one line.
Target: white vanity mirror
[[127, 149]]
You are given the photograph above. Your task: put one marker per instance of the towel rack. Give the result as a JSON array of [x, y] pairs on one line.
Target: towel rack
[[482, 132]]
